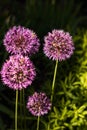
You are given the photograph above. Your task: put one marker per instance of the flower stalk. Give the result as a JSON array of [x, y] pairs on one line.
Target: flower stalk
[[54, 78], [38, 121], [16, 109]]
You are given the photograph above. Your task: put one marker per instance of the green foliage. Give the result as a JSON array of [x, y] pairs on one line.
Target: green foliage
[[70, 101], [68, 117]]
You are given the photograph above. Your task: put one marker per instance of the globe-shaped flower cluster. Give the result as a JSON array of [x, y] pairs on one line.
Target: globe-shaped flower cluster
[[58, 45], [21, 40], [18, 72], [38, 104]]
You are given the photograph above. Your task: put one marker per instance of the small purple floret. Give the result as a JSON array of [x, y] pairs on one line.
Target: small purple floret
[[38, 104], [18, 72], [58, 45], [21, 40]]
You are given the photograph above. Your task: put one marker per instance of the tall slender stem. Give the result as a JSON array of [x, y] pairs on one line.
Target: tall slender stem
[[38, 121], [53, 83], [16, 103], [48, 128]]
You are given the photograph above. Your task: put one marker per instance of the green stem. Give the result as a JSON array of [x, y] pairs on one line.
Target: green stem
[[48, 127], [24, 110], [53, 83], [38, 121], [16, 102]]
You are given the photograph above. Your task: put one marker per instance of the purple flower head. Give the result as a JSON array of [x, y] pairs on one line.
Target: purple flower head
[[38, 104], [21, 40], [58, 45], [18, 72]]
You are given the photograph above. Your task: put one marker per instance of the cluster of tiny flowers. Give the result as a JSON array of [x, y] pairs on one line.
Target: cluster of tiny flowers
[[58, 45], [21, 40], [18, 72], [38, 104]]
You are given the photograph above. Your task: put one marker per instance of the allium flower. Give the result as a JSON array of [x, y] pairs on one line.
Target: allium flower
[[18, 72], [20, 40], [58, 45], [38, 104]]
